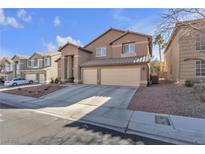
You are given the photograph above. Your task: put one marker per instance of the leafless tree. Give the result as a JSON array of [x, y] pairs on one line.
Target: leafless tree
[[173, 18]]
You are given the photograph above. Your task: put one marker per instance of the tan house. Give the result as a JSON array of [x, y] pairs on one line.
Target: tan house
[[41, 67], [6, 68], [19, 64], [184, 55], [116, 57]]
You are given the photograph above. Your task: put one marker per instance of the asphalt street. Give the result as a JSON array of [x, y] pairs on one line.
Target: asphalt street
[[25, 126]]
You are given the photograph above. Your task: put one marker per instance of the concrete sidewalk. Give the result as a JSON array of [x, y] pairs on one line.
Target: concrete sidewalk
[[167, 128]]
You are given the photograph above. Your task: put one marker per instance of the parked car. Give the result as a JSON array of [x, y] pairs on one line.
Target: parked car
[[17, 81]]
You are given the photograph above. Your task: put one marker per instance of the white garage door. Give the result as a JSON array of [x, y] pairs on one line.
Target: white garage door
[[124, 76], [31, 77], [41, 78], [90, 75]]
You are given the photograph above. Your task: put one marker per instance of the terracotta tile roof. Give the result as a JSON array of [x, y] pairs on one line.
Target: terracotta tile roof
[[117, 61]]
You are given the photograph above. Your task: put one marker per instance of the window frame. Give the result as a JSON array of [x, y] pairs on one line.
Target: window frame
[[128, 44], [201, 65], [47, 59], [101, 55], [29, 61], [198, 40]]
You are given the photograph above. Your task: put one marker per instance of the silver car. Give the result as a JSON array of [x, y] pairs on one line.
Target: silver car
[[17, 81]]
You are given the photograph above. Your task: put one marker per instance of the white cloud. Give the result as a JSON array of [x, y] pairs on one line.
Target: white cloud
[[63, 40], [49, 46], [60, 41], [7, 20], [23, 15], [57, 21]]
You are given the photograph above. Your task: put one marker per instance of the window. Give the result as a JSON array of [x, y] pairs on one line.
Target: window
[[46, 61], [200, 68], [40, 61], [200, 43], [100, 52], [35, 63], [128, 48]]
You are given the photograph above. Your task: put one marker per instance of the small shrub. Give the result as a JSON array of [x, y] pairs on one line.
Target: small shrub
[[189, 83], [52, 81], [57, 80], [19, 89]]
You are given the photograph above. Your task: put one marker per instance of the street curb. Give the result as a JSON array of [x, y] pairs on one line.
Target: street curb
[[122, 130]]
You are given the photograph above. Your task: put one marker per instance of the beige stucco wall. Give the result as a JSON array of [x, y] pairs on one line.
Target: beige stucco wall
[[171, 58], [183, 47], [115, 50], [187, 51], [52, 71], [79, 57], [104, 42], [141, 45]]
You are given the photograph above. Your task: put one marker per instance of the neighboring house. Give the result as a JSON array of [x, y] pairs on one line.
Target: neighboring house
[[19, 64], [116, 57], [6, 68], [41, 67], [185, 52]]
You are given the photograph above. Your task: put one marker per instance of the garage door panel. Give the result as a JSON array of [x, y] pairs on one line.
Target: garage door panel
[[31, 77], [120, 76], [41, 78], [90, 76]]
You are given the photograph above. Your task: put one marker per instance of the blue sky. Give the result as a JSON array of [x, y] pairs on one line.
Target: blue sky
[[24, 31]]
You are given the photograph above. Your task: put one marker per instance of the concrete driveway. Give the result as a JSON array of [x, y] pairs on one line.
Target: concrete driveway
[[106, 96], [99, 105]]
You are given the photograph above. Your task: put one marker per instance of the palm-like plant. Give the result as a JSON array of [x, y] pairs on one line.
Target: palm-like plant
[[158, 40]]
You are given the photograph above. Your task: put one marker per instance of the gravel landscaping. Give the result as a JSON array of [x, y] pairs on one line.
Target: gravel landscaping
[[35, 91], [168, 98]]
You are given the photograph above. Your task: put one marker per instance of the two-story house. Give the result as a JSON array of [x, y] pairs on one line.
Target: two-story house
[[19, 64], [116, 57], [184, 55], [6, 68], [41, 67]]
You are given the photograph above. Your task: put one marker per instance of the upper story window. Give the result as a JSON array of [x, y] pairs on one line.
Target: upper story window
[[35, 63], [100, 52], [200, 68], [128, 48], [200, 43], [47, 62], [29, 63], [8, 67]]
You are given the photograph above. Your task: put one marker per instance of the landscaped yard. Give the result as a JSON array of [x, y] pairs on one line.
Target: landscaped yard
[[35, 91], [168, 98]]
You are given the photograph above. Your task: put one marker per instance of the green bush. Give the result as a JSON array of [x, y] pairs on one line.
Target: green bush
[[57, 80], [52, 81], [189, 83]]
